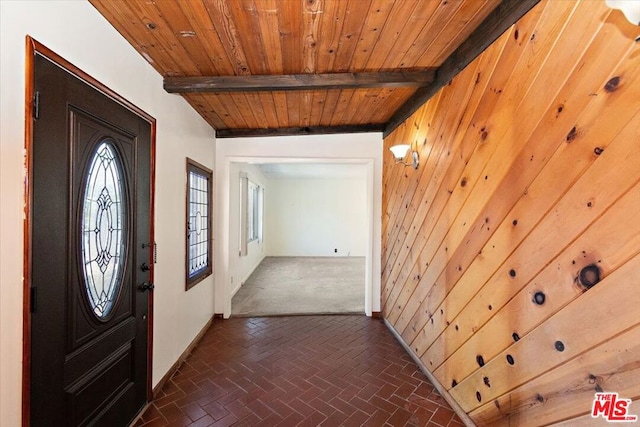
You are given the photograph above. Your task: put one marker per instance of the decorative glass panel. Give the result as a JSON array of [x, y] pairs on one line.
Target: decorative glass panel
[[199, 210], [198, 223], [104, 218]]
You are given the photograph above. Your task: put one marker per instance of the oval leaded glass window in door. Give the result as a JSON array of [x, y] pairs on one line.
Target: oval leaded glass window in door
[[103, 222]]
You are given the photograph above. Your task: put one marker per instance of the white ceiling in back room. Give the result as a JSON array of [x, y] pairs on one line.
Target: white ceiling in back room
[[313, 170]]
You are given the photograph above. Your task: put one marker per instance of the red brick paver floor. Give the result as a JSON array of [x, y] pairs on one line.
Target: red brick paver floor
[[299, 371]]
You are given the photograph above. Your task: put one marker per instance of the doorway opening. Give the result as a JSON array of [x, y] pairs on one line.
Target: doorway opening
[[228, 282], [311, 257]]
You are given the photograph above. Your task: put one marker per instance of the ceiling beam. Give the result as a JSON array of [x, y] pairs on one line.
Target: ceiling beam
[[296, 131], [497, 22], [387, 79]]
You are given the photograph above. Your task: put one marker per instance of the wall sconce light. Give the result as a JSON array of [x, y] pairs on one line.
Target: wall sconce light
[[630, 9], [401, 150]]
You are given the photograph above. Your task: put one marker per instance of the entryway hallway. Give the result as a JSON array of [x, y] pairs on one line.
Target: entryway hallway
[[299, 371]]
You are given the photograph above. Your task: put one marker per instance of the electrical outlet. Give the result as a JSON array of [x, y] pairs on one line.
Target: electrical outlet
[[335, 251]]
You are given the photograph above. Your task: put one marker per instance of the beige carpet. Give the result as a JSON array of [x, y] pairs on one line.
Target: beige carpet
[[302, 285]]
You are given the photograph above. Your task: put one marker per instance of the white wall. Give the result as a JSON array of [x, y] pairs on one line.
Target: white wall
[[361, 149], [241, 267], [77, 32], [313, 217]]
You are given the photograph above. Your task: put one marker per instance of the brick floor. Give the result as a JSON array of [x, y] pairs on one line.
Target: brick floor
[[299, 371]]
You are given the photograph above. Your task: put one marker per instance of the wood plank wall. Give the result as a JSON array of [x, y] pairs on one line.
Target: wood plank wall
[[529, 172]]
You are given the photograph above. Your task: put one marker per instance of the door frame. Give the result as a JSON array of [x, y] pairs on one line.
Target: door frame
[[34, 47]]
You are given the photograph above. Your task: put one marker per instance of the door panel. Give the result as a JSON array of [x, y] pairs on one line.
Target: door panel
[[89, 134], [90, 233]]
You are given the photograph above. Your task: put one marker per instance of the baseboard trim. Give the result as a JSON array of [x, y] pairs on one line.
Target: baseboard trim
[[316, 256], [174, 368], [246, 277], [139, 414], [443, 392]]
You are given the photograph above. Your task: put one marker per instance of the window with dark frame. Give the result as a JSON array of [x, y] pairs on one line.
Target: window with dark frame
[[251, 213], [199, 224]]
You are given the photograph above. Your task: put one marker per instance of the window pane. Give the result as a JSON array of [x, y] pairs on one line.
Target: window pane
[[198, 223], [198, 220], [253, 212], [103, 221], [255, 215]]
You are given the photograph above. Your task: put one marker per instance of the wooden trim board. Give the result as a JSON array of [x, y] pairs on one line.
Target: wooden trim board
[[289, 82], [187, 351], [441, 390], [295, 131]]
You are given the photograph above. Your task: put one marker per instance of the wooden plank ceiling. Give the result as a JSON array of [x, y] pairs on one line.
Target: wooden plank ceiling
[[267, 67]]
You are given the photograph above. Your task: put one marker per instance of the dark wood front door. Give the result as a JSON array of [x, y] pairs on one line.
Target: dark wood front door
[[90, 254]]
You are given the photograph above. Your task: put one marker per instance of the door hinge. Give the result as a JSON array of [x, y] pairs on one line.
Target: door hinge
[[36, 105], [34, 299]]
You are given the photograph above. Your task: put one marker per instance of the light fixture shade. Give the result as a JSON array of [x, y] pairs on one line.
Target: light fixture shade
[[630, 9], [400, 150]]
